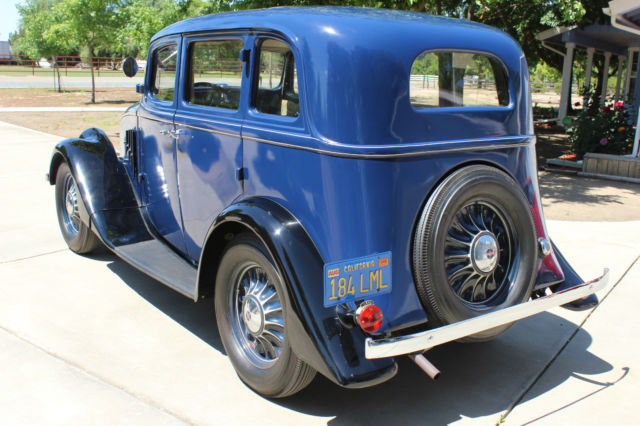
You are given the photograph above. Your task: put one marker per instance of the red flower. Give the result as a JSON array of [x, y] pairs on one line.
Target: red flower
[[619, 104], [576, 104], [606, 109]]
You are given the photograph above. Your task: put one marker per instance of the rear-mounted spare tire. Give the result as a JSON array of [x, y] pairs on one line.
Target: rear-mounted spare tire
[[474, 248]]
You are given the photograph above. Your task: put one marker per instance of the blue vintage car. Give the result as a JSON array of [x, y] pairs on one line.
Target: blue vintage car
[[344, 186]]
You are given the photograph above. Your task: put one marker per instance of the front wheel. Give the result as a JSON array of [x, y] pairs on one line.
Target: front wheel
[[251, 306], [76, 233]]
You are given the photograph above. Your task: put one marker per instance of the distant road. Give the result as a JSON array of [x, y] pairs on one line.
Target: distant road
[[42, 82]]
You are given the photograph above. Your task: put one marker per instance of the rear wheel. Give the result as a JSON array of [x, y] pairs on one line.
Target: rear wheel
[[76, 233], [475, 247], [251, 306]]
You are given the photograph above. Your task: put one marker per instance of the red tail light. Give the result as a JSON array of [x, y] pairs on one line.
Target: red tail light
[[369, 317]]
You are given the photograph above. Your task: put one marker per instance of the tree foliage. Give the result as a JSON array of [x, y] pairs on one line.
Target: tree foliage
[[124, 27]]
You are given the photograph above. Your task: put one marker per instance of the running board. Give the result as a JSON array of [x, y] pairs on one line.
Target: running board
[[157, 260], [419, 342]]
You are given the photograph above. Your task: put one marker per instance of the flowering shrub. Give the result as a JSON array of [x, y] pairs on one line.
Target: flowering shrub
[[601, 129]]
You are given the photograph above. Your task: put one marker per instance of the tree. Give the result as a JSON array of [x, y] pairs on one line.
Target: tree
[[86, 23], [34, 37]]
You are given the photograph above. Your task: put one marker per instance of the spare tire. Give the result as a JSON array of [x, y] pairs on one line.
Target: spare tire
[[474, 248]]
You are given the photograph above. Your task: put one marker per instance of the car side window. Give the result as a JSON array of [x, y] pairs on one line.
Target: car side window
[[165, 60], [215, 73], [277, 80], [457, 79]]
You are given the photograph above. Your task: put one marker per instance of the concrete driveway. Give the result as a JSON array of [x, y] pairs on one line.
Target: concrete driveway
[[89, 340]]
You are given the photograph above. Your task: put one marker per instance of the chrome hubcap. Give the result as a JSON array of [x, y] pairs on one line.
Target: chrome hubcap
[[258, 319], [70, 213], [252, 315], [484, 252], [479, 254]]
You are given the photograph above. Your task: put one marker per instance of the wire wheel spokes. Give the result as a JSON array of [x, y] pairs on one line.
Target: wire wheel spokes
[[478, 253], [259, 320], [70, 211]]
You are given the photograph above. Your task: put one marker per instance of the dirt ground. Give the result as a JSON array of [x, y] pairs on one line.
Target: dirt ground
[[68, 98], [67, 124], [551, 143]]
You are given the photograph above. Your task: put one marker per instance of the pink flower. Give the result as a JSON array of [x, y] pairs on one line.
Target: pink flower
[[619, 104], [604, 141]]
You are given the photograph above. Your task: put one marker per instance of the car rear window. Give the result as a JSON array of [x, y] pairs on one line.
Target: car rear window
[[215, 73], [457, 79], [277, 85], [165, 59]]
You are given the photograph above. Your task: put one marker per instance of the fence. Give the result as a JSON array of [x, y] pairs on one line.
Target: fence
[[24, 65]]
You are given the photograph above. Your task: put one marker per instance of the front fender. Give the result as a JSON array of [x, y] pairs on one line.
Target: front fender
[[109, 205], [316, 334]]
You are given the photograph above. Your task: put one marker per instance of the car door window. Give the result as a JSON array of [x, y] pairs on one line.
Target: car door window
[[215, 73], [277, 85], [165, 59]]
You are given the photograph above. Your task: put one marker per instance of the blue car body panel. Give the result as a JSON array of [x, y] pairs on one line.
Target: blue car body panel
[[347, 178]]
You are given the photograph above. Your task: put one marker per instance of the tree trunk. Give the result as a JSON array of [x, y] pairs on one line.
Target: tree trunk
[[93, 79], [58, 73]]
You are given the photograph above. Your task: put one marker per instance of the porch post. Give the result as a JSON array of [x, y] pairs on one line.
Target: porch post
[[565, 91], [605, 77], [587, 75], [619, 77], [627, 78]]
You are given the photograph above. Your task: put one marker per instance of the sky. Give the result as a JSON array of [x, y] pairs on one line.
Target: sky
[[8, 17]]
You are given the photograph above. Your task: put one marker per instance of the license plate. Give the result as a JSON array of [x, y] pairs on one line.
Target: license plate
[[355, 279]]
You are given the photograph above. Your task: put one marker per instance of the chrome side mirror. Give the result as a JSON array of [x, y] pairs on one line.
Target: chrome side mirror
[[130, 66]]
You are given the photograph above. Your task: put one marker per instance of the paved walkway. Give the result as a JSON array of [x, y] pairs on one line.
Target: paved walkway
[[89, 340], [62, 109]]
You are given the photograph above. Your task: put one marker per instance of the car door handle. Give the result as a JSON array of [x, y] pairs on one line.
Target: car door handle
[[175, 134]]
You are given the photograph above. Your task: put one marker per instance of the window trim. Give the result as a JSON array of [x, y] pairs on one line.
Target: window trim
[[154, 71], [186, 84], [253, 109], [505, 70]]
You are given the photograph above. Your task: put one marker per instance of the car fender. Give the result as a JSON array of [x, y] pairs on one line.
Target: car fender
[[108, 202], [317, 336]]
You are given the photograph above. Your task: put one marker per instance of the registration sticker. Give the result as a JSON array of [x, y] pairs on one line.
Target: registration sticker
[[359, 278]]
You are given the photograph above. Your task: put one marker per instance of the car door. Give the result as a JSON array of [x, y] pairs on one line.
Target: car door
[[209, 123], [157, 148]]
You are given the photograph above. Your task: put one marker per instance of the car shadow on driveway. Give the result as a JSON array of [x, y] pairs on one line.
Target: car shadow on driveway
[[197, 318], [477, 380]]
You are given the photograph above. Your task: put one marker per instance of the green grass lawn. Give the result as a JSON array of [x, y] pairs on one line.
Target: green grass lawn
[[20, 71]]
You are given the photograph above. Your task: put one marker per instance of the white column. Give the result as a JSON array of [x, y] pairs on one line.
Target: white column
[[627, 79], [619, 77], [566, 80], [636, 139], [605, 77], [587, 74]]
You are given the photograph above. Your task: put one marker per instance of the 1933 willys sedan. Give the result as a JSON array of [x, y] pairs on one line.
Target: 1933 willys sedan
[[344, 186]]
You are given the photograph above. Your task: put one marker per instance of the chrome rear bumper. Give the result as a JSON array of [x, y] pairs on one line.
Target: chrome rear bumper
[[417, 342]]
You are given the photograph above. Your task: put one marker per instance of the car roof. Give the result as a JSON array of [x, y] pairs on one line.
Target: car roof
[[356, 61], [299, 22]]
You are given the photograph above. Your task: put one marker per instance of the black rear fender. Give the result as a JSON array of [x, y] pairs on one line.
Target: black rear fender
[[315, 333]]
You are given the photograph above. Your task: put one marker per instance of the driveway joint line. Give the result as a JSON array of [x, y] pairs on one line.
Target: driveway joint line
[[97, 377], [32, 257], [564, 345]]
